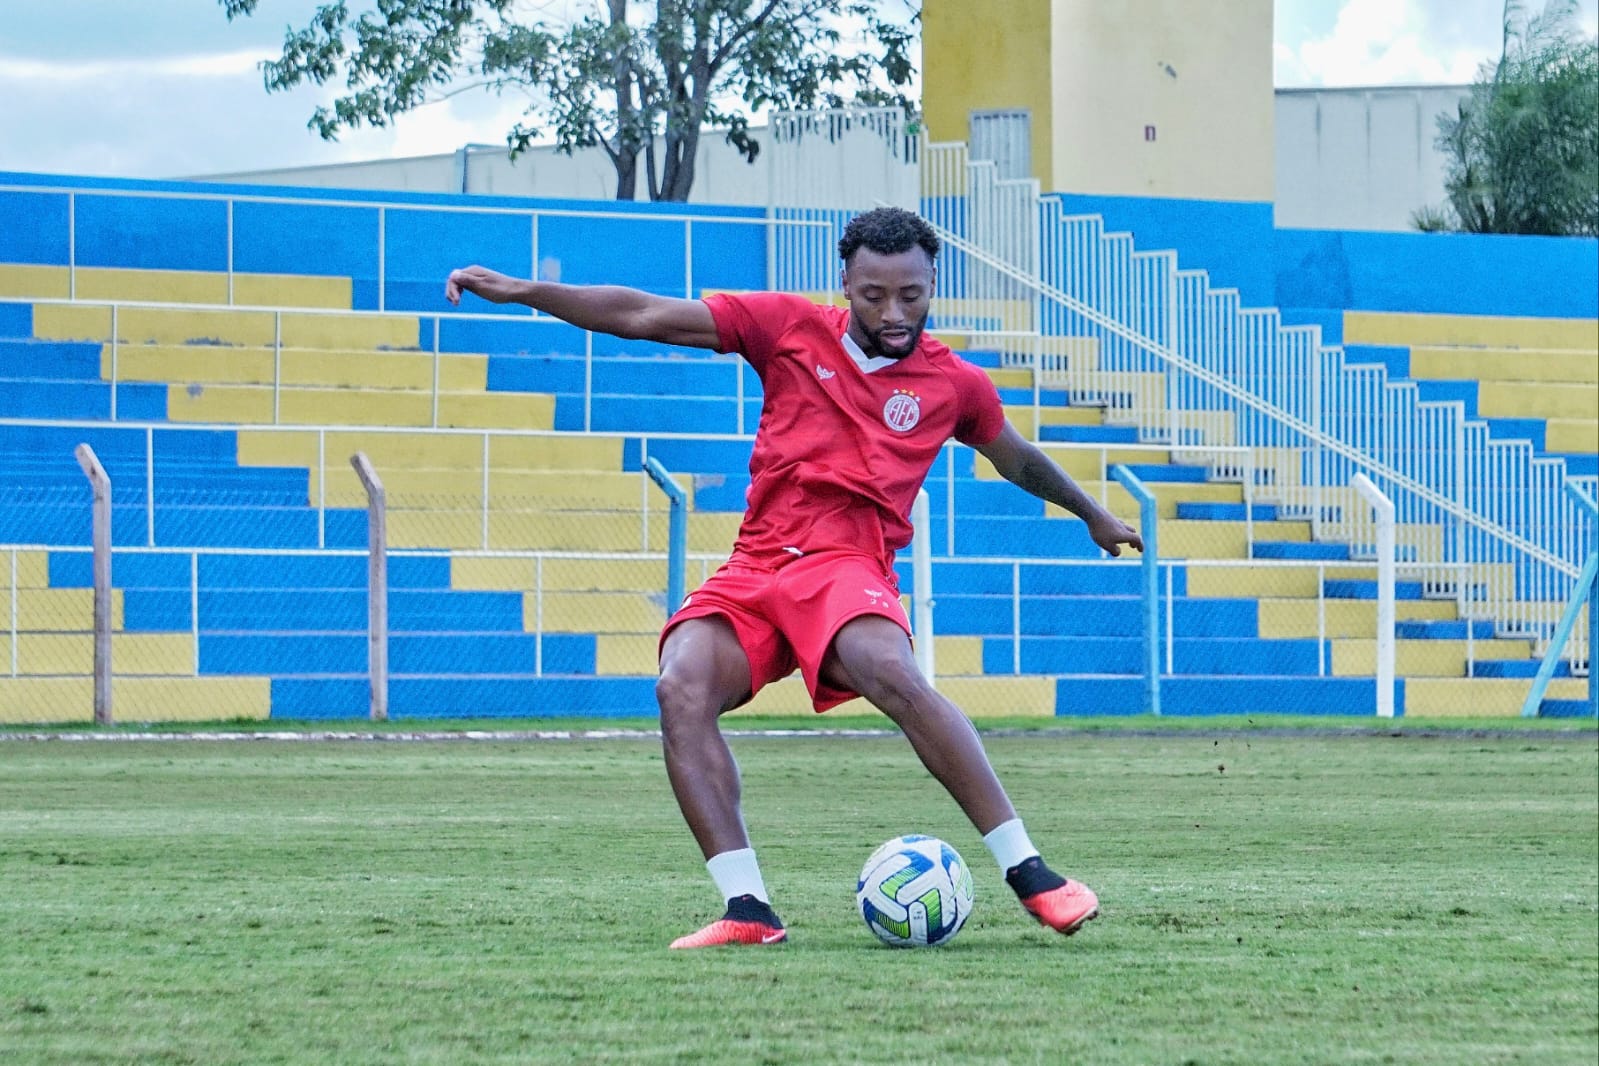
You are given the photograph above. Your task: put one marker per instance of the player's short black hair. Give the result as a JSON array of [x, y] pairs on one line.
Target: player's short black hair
[[887, 231]]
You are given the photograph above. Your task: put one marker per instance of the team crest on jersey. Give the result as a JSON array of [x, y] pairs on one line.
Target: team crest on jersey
[[902, 411]]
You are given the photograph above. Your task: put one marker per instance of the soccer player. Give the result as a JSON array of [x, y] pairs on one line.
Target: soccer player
[[858, 404]]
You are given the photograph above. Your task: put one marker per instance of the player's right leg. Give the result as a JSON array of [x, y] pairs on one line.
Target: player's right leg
[[704, 673], [871, 655]]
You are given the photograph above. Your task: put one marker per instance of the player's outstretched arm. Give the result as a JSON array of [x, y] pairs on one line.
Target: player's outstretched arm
[[614, 309], [1024, 464]]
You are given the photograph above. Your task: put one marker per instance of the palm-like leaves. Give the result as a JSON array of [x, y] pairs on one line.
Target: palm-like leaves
[[1523, 148]]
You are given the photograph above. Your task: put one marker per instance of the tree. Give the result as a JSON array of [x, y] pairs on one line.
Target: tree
[[1523, 148], [619, 76]]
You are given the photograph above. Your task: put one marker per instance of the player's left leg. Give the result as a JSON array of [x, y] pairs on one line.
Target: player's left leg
[[871, 655], [704, 673]]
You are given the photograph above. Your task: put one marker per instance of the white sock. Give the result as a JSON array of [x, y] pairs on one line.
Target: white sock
[[736, 873], [1009, 844]]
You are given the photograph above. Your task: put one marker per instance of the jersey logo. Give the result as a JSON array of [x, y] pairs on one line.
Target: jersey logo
[[822, 372], [902, 411]]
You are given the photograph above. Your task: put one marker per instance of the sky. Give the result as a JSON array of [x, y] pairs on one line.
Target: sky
[[170, 88]]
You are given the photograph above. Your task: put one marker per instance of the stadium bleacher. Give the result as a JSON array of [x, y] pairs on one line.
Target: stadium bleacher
[[512, 448]]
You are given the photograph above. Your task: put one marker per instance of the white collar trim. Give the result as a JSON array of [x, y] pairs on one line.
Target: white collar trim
[[869, 364]]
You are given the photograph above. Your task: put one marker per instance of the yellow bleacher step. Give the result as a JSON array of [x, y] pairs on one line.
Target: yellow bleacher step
[[310, 406], [564, 451], [412, 488], [28, 281], [1357, 657], [163, 654], [239, 365], [135, 699], [1302, 618], [48, 610], [1085, 463], [227, 326], [602, 531], [175, 286], [1537, 399], [1504, 364], [979, 697], [463, 451], [594, 612], [1259, 580], [1571, 435], [1470, 331], [1027, 419], [1481, 697], [32, 571], [558, 574]]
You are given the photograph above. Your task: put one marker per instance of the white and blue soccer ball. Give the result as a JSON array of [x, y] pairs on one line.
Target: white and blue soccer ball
[[915, 892]]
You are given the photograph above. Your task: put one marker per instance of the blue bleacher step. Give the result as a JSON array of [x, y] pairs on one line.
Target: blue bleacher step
[[1288, 549], [1168, 472], [1449, 391], [1579, 464], [1355, 589], [1024, 397], [54, 360], [1515, 668], [1531, 429], [16, 320], [1195, 694], [1444, 629], [467, 697], [1395, 357], [1230, 656], [978, 356], [1227, 512], [1090, 434], [1566, 708]]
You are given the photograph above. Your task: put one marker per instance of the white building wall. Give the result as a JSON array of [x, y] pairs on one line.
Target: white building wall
[[1359, 158], [1345, 159]]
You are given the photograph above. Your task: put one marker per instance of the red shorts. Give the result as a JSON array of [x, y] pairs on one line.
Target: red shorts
[[788, 616]]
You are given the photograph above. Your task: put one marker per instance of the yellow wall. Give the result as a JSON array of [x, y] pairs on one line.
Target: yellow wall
[[983, 56], [1094, 74]]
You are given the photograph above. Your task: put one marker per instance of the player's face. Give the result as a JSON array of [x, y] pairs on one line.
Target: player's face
[[888, 298]]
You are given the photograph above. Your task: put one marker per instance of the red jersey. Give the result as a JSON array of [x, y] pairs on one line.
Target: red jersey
[[845, 441]]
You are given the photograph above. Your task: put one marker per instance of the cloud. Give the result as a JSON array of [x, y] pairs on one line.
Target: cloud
[[119, 71], [173, 116], [1393, 42]]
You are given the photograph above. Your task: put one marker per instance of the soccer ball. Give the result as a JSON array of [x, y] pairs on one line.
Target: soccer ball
[[915, 892]]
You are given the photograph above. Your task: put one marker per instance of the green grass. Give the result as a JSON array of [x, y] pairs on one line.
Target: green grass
[[1267, 898]]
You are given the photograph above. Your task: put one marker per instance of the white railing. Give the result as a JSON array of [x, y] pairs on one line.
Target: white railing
[[798, 232], [1184, 362]]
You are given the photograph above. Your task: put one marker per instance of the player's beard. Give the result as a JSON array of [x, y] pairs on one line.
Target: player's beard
[[876, 346]]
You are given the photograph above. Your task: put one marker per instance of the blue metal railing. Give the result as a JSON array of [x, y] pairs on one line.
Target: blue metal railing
[[1148, 514], [677, 533]]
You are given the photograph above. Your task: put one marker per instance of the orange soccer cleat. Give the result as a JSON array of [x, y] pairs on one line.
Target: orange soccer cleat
[[731, 931], [1064, 908]]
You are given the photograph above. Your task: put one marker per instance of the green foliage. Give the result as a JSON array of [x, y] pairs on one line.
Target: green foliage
[[620, 76], [1523, 148], [1424, 898]]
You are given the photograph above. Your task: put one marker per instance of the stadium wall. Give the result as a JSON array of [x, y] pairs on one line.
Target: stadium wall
[[1438, 273]]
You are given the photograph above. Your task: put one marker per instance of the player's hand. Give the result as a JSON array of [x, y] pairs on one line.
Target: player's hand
[[1110, 533], [489, 284]]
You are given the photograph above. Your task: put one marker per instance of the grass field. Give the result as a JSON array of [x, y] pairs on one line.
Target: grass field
[[1268, 897]]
